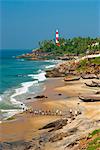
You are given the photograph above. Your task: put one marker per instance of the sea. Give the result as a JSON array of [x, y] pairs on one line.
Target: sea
[[20, 78]]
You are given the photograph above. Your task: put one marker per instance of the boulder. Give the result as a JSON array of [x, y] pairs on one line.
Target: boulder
[[40, 96], [54, 73], [55, 125]]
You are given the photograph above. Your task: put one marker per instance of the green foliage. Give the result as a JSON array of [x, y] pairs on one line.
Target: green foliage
[[83, 64], [76, 45], [94, 144], [94, 132], [96, 60]]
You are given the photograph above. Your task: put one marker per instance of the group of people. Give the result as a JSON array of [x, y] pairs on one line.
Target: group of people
[[71, 113]]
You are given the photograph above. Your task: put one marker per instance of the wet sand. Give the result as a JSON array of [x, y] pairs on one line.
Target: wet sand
[[25, 126]]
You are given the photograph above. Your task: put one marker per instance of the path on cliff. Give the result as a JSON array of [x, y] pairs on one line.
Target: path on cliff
[[87, 56]]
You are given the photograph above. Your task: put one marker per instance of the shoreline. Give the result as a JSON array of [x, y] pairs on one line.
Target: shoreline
[[18, 118], [67, 100], [18, 103]]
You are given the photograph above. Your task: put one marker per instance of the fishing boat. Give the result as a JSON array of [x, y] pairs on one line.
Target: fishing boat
[[90, 98], [71, 78]]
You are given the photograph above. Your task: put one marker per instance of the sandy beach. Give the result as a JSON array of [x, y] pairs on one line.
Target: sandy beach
[[26, 125], [61, 96]]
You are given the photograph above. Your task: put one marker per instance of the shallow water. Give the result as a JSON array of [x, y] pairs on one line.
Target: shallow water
[[19, 78]]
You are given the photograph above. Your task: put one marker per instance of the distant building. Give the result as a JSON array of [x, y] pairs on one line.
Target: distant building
[[95, 44]]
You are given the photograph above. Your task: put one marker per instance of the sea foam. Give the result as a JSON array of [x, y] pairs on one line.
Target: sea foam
[[10, 112], [40, 77], [0, 98], [19, 91], [50, 66]]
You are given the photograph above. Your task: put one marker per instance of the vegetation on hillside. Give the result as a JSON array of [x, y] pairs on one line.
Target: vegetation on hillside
[[88, 64], [67, 50], [94, 143], [91, 142], [77, 45]]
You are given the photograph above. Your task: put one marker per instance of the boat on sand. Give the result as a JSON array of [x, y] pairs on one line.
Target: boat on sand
[[93, 84], [90, 98], [72, 78], [90, 76]]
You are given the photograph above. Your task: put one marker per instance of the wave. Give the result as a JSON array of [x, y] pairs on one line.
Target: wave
[[19, 106], [26, 88], [9, 110], [50, 66], [19, 91], [39, 71], [40, 77], [9, 113], [53, 61]]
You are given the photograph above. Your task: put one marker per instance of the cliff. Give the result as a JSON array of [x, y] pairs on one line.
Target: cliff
[[78, 68]]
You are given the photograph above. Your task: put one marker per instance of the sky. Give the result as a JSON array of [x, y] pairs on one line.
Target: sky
[[23, 23]]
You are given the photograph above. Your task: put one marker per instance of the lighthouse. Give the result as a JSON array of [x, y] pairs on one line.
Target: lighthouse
[[57, 38]]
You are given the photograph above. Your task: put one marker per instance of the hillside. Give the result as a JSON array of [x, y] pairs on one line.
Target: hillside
[[68, 49]]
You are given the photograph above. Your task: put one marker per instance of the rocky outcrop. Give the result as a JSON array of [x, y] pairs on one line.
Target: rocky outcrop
[[40, 96], [97, 92], [70, 138], [60, 136], [54, 73], [34, 55], [19, 145], [87, 70], [56, 125]]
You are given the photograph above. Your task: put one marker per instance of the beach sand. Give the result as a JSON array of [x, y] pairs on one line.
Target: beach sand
[[25, 126]]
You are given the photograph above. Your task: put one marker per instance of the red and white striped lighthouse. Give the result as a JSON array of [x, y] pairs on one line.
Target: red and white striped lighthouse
[[57, 38]]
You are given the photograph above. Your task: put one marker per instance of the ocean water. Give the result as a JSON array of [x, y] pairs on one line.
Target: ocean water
[[19, 78]]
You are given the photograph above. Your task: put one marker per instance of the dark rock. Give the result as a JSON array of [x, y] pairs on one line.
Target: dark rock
[[73, 144], [72, 130], [57, 137], [98, 92], [59, 94], [50, 125], [54, 73], [19, 145], [60, 136], [28, 98], [56, 125], [41, 96]]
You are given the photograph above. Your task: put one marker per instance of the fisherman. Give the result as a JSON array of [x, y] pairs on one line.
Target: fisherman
[[76, 113], [60, 113], [57, 112], [70, 111]]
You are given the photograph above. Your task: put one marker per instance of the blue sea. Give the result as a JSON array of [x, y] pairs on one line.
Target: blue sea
[[19, 78]]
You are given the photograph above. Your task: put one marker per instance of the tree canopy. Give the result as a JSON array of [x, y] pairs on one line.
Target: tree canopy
[[77, 45]]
